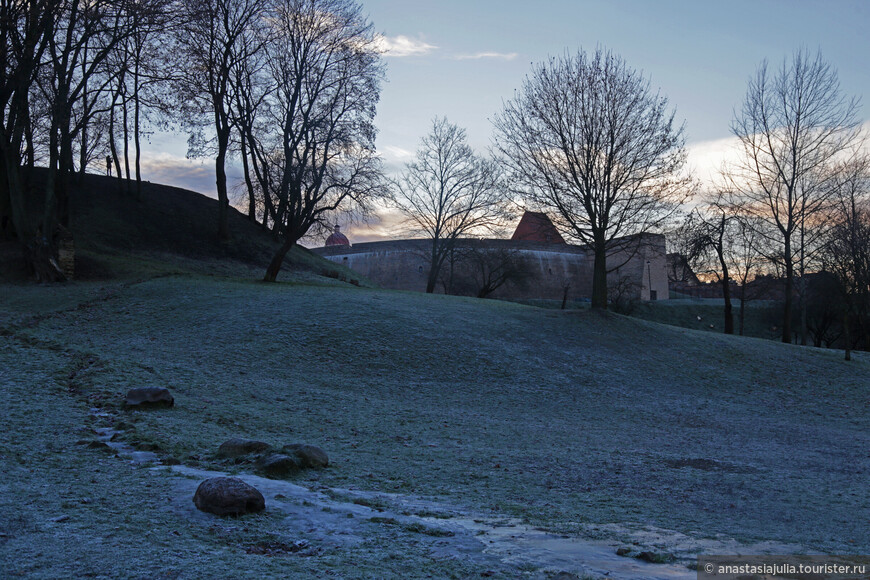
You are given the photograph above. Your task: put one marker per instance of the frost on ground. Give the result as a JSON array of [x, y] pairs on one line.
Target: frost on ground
[[540, 440]]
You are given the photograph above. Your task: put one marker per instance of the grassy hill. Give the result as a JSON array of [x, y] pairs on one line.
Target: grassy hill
[[457, 429], [166, 229]]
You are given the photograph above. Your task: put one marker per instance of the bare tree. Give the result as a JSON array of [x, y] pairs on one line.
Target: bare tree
[[589, 141], [24, 34], [719, 243], [251, 90], [146, 55], [85, 35], [747, 264], [709, 232], [213, 45], [52, 51], [448, 192], [326, 72], [793, 124], [477, 268], [847, 252]]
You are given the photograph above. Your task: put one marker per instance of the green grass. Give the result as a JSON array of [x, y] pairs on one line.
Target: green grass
[[763, 319], [563, 419], [591, 425]]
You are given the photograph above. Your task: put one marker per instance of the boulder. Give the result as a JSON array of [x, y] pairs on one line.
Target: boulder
[[277, 465], [656, 557], [241, 447], [308, 455], [144, 397], [228, 496]]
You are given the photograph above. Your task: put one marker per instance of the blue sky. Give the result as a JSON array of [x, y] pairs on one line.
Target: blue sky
[[462, 59]]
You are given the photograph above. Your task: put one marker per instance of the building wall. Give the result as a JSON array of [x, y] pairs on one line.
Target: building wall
[[404, 265]]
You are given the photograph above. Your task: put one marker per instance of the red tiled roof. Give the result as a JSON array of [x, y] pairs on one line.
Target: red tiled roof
[[537, 227]]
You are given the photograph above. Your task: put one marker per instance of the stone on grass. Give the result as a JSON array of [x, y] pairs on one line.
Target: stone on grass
[[145, 397], [656, 557], [277, 465], [228, 496], [241, 447], [309, 455]]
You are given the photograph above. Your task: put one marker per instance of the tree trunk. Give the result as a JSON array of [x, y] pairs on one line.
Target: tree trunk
[[221, 183], [15, 189], [136, 107], [729, 315], [39, 254], [789, 287], [126, 146], [726, 286], [434, 266], [138, 167], [565, 296], [431, 279], [278, 260], [112, 145], [28, 138], [742, 308], [599, 276], [802, 295], [49, 215], [246, 170], [83, 152], [847, 338], [65, 172]]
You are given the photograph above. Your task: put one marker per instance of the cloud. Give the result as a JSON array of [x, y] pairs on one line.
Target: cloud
[[386, 224], [399, 46], [397, 153], [480, 55], [707, 158], [193, 174]]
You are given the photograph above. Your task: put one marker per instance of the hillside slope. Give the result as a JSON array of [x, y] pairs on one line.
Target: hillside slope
[[166, 229], [596, 427]]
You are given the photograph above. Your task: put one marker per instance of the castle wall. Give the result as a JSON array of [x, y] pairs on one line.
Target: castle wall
[[548, 268]]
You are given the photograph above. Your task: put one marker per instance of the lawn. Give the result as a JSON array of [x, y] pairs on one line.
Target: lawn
[[594, 427]]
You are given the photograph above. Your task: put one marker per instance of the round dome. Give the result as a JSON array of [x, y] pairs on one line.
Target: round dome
[[337, 238]]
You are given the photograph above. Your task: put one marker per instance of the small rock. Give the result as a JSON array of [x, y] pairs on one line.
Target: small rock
[[171, 461], [277, 465], [565, 576], [149, 397], [241, 447], [623, 551], [309, 455], [228, 496], [655, 557], [98, 445], [147, 446], [60, 519]]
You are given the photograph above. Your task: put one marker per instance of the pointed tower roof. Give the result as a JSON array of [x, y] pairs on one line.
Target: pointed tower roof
[[537, 227]]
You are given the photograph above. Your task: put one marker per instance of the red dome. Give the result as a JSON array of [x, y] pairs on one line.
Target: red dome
[[337, 238]]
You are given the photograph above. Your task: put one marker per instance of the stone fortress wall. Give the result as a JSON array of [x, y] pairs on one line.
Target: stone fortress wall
[[404, 265]]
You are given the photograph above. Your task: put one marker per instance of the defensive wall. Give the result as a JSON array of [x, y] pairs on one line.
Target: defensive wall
[[639, 263]]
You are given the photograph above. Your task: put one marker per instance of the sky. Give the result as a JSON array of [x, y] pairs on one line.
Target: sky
[[463, 59]]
